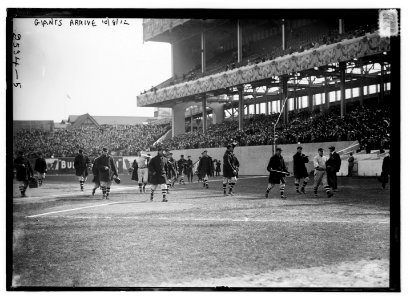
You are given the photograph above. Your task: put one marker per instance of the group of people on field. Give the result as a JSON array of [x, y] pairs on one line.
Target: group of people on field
[[325, 169], [164, 170]]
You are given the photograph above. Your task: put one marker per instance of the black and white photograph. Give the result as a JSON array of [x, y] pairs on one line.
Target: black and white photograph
[[203, 149]]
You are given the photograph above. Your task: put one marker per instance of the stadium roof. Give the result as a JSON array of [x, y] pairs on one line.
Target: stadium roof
[[113, 120], [85, 119]]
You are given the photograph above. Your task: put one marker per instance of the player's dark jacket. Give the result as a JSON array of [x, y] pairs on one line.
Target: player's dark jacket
[[23, 169], [299, 167], [218, 167], [171, 167], [80, 164], [188, 166], [386, 166], [333, 163], [105, 161], [182, 165], [96, 178], [230, 164], [40, 165], [205, 166], [157, 170], [134, 171], [276, 162]]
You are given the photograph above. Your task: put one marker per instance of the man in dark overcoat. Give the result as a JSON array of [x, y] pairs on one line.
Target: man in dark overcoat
[[157, 174], [182, 169], [172, 171], [106, 171], [188, 168], [205, 168], [81, 163], [299, 169], [332, 167], [24, 172], [277, 173], [230, 169], [96, 178], [40, 167], [385, 170]]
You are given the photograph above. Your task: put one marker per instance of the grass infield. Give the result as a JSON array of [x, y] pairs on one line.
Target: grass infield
[[64, 237]]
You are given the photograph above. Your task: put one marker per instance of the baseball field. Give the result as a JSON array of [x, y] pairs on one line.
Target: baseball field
[[63, 237]]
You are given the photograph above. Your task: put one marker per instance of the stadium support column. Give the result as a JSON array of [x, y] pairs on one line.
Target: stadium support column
[[381, 95], [284, 81], [342, 67], [203, 52], [204, 113], [266, 106], [310, 94], [327, 102], [295, 98], [172, 60], [283, 35], [178, 120], [240, 107], [239, 31], [192, 120], [232, 108], [341, 26], [361, 90]]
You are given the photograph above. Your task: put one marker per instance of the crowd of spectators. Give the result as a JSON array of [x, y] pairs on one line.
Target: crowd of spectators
[[369, 126], [119, 139]]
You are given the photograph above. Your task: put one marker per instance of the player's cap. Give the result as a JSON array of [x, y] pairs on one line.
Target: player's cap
[[205, 151], [39, 153], [189, 155], [148, 154], [138, 150], [278, 149], [332, 147], [300, 147], [105, 149], [170, 153], [182, 155], [320, 149]]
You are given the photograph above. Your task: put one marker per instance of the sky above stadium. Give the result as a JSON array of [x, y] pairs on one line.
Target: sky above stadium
[[96, 67]]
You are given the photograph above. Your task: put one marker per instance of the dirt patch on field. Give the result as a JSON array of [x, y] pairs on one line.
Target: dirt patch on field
[[364, 273]]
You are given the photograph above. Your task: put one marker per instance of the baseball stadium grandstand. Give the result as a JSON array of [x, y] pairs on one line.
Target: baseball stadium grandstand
[[236, 75]]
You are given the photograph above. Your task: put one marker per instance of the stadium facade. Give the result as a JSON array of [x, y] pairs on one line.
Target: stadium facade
[[233, 68]]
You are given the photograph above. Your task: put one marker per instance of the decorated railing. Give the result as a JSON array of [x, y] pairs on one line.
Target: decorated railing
[[296, 62]]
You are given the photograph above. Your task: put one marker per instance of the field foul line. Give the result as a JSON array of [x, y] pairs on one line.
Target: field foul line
[[71, 209], [75, 193], [223, 220]]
